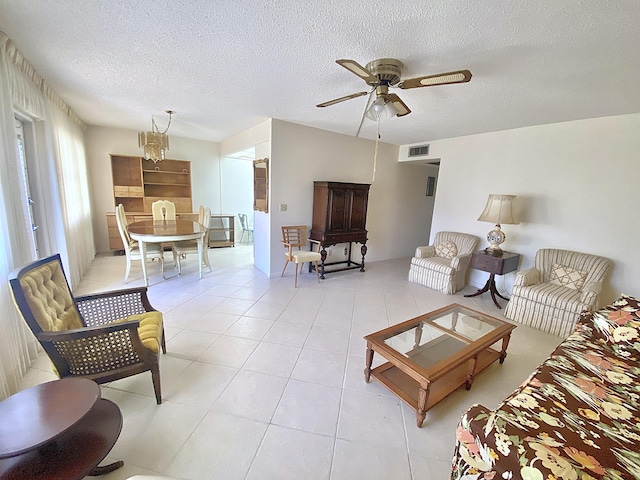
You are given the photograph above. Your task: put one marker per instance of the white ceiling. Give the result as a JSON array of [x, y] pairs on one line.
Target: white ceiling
[[227, 65]]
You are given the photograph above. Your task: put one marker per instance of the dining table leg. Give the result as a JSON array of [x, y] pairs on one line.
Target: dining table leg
[[143, 261]]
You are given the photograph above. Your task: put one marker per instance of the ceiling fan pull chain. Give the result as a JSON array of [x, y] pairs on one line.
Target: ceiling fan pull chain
[[375, 154]]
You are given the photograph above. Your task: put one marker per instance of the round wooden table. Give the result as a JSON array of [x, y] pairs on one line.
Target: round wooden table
[[57, 430], [159, 231]]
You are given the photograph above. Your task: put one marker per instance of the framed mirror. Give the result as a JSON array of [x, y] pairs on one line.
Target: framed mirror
[[261, 185]]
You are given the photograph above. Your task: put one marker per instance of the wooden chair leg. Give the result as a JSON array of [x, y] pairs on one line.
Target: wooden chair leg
[[163, 343], [317, 274], [155, 377], [285, 267], [296, 283]]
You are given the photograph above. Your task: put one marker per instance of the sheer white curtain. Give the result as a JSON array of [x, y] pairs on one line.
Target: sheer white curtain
[[64, 198]]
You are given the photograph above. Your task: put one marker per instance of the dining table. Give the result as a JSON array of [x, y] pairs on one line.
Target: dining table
[[166, 231]]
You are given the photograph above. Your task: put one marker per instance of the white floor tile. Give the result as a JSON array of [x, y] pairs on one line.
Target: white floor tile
[[229, 351], [292, 454], [273, 359], [357, 460], [310, 407], [251, 395]]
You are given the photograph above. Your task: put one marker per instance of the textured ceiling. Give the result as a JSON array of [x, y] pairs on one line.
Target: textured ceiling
[[226, 65]]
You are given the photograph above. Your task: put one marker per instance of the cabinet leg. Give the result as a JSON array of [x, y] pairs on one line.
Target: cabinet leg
[[363, 251], [323, 257]]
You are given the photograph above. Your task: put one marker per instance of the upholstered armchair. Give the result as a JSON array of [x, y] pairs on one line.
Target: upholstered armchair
[[443, 266], [551, 295], [102, 337]]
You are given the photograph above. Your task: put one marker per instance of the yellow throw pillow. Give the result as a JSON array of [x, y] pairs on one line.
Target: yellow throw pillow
[[568, 277], [446, 249]]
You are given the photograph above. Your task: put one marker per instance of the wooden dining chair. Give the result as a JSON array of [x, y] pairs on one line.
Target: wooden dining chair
[[163, 210], [293, 239], [183, 248], [131, 247]]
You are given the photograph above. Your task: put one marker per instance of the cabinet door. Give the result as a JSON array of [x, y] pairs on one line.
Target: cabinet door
[[339, 200], [358, 218]]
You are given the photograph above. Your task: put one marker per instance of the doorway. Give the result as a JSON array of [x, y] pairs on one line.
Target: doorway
[[236, 178]]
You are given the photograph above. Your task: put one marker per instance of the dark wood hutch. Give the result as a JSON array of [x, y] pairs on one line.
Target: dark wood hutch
[[340, 216]]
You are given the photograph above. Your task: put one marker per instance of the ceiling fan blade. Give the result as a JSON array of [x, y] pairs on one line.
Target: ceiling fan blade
[[399, 105], [341, 99], [460, 76], [359, 70]]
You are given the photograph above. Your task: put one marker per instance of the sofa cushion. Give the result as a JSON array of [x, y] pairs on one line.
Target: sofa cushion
[[568, 277], [446, 249]]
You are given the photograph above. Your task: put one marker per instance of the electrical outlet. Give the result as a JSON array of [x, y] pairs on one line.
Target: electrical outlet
[[345, 251], [328, 253]]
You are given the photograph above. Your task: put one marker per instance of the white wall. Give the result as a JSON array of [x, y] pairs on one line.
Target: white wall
[[103, 141], [576, 185], [398, 210]]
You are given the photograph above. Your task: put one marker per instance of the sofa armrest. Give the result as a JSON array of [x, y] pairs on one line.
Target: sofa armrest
[[473, 449], [590, 293], [527, 278], [461, 263], [425, 252]]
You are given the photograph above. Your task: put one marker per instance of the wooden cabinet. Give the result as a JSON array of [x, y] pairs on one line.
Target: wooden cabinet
[[340, 216], [137, 183]]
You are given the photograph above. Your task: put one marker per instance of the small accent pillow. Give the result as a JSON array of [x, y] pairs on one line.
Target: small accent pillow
[[446, 249], [568, 277]]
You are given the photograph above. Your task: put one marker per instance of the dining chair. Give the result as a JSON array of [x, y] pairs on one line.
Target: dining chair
[[102, 337], [183, 248], [131, 247], [244, 223], [293, 239], [163, 210]]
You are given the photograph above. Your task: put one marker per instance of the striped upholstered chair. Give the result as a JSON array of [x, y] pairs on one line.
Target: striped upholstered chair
[[551, 295], [443, 266]]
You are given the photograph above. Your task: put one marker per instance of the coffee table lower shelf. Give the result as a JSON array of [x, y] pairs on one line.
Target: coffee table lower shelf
[[408, 388]]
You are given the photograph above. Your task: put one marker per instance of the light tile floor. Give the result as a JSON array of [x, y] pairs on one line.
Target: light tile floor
[[265, 381]]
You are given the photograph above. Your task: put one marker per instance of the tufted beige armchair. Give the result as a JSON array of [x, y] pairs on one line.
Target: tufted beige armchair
[[443, 266], [551, 295], [102, 337]]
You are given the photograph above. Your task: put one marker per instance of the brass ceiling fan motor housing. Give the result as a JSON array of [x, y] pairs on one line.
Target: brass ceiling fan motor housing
[[387, 70]]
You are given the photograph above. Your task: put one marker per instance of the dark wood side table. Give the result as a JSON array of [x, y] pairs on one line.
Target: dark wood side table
[[57, 430], [487, 262]]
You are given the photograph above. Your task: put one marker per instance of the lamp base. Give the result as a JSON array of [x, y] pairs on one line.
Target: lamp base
[[495, 238]]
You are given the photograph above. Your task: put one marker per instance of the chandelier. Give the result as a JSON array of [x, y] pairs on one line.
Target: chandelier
[[155, 142]]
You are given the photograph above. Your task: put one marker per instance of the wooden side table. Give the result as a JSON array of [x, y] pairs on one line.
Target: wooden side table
[[57, 430], [486, 262]]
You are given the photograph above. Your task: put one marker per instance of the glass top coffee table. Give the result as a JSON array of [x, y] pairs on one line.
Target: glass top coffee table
[[430, 356]]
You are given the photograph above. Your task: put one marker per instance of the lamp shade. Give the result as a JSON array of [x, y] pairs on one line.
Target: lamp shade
[[499, 210]]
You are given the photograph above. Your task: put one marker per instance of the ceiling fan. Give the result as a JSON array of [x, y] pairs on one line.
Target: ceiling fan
[[384, 73]]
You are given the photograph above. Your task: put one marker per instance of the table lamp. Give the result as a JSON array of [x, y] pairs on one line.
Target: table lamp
[[499, 210]]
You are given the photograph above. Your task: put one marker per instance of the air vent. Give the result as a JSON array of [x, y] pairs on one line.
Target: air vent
[[419, 151]]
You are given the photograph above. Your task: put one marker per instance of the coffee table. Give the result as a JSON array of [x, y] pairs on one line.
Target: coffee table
[[57, 430], [430, 356]]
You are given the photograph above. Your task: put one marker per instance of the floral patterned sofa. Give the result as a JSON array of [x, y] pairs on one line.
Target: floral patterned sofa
[[577, 417]]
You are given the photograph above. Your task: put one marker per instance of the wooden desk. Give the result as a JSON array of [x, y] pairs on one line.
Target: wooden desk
[[159, 231], [57, 430], [486, 262]]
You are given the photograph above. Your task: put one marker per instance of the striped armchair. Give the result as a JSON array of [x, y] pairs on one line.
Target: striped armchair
[[551, 295], [443, 266]]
